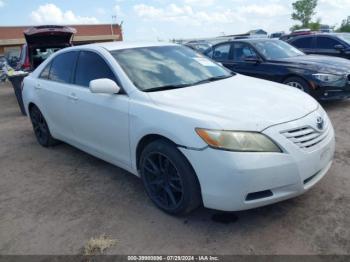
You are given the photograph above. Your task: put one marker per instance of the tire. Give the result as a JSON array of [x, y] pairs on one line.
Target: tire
[[169, 179], [41, 129], [298, 82]]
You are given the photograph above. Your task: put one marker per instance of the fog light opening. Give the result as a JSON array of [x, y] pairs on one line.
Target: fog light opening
[[259, 195]]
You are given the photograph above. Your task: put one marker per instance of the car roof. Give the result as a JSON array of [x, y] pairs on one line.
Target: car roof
[[111, 46], [250, 40]]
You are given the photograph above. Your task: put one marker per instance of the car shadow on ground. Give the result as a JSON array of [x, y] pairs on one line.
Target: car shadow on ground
[[120, 179]]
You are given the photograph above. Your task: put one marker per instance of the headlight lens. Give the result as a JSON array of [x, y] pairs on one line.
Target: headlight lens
[[328, 78], [238, 141]]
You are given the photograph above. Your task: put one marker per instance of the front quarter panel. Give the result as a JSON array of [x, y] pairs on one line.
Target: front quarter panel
[[147, 118]]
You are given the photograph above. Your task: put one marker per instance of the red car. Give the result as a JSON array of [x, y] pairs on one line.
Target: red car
[[41, 42]]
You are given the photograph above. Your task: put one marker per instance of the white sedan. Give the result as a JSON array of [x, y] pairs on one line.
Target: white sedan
[[196, 133]]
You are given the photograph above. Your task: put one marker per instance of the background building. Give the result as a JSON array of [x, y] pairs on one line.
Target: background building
[[12, 38]]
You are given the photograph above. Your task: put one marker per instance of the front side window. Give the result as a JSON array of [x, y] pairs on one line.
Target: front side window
[[166, 67], [326, 43], [90, 67], [277, 49], [241, 51], [345, 37], [62, 67], [304, 42]]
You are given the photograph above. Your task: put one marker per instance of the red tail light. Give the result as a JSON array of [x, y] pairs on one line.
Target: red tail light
[[26, 65]]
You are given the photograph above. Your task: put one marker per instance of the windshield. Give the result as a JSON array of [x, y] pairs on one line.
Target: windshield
[[345, 37], [276, 49], [166, 67]]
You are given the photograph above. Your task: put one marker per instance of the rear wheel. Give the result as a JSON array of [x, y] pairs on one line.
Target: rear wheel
[[169, 179], [41, 129], [299, 83]]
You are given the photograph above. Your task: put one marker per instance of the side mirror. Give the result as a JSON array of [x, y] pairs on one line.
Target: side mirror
[[339, 48], [104, 86]]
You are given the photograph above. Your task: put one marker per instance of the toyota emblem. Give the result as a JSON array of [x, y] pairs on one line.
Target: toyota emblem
[[320, 123]]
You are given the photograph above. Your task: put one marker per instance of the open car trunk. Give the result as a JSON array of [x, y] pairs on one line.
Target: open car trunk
[[42, 41]]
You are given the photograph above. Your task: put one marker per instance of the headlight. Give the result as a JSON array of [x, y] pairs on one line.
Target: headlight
[[238, 141], [328, 78]]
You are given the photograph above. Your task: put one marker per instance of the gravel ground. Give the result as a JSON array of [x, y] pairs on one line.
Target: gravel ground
[[53, 201]]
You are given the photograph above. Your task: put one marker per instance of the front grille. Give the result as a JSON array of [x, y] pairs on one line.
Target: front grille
[[307, 137]]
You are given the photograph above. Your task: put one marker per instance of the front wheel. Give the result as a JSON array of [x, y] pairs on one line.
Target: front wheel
[[169, 179], [298, 83]]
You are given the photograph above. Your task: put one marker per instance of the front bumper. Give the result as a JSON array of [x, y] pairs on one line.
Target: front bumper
[[233, 181], [329, 93]]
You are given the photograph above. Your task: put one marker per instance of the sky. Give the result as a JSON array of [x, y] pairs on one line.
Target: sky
[[168, 19]]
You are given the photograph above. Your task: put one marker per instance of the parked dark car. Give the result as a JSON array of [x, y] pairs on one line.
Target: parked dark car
[[323, 77], [296, 34], [334, 44], [41, 42]]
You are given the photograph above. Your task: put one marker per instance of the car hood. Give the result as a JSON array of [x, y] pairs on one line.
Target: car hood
[[319, 63], [49, 36], [238, 103]]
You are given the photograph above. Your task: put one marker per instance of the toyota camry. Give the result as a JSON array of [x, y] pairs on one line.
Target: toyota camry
[[193, 131]]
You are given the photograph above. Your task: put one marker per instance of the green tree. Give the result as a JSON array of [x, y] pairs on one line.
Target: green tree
[[304, 10], [345, 25], [315, 26]]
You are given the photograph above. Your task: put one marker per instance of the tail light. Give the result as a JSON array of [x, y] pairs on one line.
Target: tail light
[[26, 65]]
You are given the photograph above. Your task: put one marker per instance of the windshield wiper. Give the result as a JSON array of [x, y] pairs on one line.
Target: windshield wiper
[[170, 87], [212, 79], [167, 87]]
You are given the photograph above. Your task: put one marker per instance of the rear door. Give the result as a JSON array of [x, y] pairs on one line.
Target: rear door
[[53, 90], [100, 122]]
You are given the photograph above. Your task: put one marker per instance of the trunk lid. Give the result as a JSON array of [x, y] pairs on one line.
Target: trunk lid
[[57, 36]]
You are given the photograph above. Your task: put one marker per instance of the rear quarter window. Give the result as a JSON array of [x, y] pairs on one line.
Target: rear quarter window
[[45, 74]]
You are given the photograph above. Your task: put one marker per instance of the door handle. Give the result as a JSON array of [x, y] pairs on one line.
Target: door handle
[[73, 97]]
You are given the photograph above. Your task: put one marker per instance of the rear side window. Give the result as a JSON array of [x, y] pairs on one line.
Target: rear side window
[[222, 52], [304, 42], [326, 43], [241, 51], [62, 67], [46, 72], [91, 66]]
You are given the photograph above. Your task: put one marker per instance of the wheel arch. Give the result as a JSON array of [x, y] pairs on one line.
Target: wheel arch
[[146, 140], [297, 76]]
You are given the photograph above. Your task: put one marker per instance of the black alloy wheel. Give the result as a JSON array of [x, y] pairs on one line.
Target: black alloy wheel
[[41, 129], [169, 179], [162, 181]]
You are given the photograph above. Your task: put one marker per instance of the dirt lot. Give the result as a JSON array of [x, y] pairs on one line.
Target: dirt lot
[[52, 201]]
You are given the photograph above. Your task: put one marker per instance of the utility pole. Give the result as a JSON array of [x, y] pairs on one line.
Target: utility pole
[[114, 21]]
